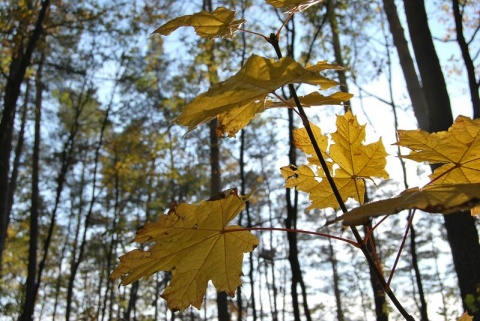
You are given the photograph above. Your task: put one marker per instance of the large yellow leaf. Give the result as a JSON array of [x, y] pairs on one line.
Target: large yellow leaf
[[348, 159], [243, 95], [458, 149], [195, 243], [218, 23], [444, 199]]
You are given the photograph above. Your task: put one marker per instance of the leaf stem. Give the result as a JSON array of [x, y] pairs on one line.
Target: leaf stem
[[291, 230], [252, 32], [273, 40], [410, 218]]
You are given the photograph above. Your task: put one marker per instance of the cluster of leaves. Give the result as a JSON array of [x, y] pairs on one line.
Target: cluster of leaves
[[196, 243]]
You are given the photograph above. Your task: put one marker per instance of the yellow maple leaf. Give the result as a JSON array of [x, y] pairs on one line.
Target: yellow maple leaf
[[292, 5], [458, 149], [195, 243], [444, 199], [219, 23], [243, 95], [348, 159]]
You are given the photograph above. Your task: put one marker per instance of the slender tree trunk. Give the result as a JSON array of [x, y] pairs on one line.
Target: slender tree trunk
[[292, 209], [421, 293], [215, 188], [418, 100], [74, 251], [336, 281], [249, 224], [461, 231], [132, 301], [215, 180], [18, 153], [66, 160], [469, 65], [88, 217], [337, 47], [406, 63], [381, 309], [17, 69], [29, 304], [113, 242]]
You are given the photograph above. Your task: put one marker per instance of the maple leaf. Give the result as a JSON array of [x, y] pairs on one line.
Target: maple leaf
[[348, 159], [458, 149], [444, 199], [236, 100], [219, 23], [195, 243], [292, 5]]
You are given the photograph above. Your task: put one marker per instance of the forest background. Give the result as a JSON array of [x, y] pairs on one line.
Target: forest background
[[89, 154]]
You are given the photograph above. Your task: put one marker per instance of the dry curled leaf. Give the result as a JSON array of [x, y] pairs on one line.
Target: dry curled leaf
[[290, 6], [219, 23]]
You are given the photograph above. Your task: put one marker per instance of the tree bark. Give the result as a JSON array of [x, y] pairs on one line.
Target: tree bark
[[29, 304], [292, 208], [406, 63], [336, 281], [337, 47], [433, 82], [461, 231], [472, 81], [381, 310], [16, 75]]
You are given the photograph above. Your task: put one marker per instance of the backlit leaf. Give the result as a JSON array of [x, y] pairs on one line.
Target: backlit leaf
[[240, 97], [349, 160], [292, 5], [458, 149], [444, 199], [219, 23], [195, 243]]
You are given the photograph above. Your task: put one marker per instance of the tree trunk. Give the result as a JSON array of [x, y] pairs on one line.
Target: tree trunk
[[415, 265], [381, 310], [292, 208], [406, 63], [472, 81], [29, 304], [336, 281], [18, 153], [421, 112], [461, 231], [16, 75], [337, 47]]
